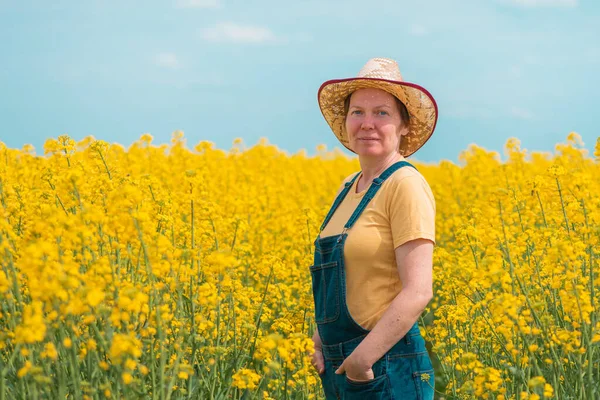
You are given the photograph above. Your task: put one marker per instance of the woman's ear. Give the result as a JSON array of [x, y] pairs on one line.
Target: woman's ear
[[403, 130]]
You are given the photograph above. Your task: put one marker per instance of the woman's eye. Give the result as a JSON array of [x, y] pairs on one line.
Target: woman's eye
[[383, 113], [356, 112]]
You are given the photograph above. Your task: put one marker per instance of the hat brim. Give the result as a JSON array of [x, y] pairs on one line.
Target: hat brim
[[420, 104]]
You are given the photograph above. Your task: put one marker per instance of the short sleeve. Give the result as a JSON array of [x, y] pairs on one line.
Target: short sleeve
[[411, 208]]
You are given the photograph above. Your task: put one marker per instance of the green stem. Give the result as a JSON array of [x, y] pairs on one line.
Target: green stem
[[542, 208], [105, 165], [163, 358], [257, 324], [192, 207], [510, 263], [562, 203]]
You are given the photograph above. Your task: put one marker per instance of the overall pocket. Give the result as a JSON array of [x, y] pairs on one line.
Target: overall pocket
[[326, 286], [406, 372], [376, 389]]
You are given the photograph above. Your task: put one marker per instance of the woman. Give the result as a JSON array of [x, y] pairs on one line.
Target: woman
[[372, 272]]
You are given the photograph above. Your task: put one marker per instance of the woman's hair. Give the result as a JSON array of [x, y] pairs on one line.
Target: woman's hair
[[404, 115]]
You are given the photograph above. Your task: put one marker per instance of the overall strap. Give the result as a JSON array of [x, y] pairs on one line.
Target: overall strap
[[375, 185], [338, 201]]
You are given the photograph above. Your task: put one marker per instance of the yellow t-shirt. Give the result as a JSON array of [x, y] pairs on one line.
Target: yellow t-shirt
[[402, 210]]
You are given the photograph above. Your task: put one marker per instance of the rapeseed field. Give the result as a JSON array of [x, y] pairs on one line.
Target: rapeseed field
[[181, 271]]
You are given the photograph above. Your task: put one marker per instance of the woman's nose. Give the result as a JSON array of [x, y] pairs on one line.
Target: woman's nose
[[367, 122]]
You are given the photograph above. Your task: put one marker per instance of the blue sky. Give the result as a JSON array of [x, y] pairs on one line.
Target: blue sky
[[222, 69]]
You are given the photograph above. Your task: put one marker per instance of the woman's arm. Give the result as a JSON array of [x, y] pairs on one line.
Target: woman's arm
[[414, 260]]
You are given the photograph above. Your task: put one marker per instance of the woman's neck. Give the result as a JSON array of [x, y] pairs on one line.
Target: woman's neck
[[372, 168]]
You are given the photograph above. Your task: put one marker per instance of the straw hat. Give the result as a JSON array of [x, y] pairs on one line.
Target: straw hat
[[381, 73]]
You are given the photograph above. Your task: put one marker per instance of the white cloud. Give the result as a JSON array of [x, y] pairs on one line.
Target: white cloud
[[167, 60], [418, 30], [232, 32], [543, 3], [198, 3], [521, 113]]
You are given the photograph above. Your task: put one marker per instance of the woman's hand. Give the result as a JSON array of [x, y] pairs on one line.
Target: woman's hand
[[317, 357], [356, 370]]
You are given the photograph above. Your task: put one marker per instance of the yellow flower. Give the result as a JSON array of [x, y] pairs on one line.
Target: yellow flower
[[146, 138], [556, 171], [245, 379], [125, 345], [24, 370], [536, 381], [95, 297], [130, 364], [182, 375], [33, 327], [91, 345], [50, 351], [127, 378], [533, 348], [548, 390]]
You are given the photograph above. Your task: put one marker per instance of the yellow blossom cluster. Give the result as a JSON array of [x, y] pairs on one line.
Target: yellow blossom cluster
[[517, 275], [160, 271]]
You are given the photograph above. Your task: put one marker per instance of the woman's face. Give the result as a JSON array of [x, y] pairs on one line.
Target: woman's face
[[373, 123]]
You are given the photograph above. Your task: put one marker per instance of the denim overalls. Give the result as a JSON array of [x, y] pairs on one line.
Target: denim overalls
[[405, 371]]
